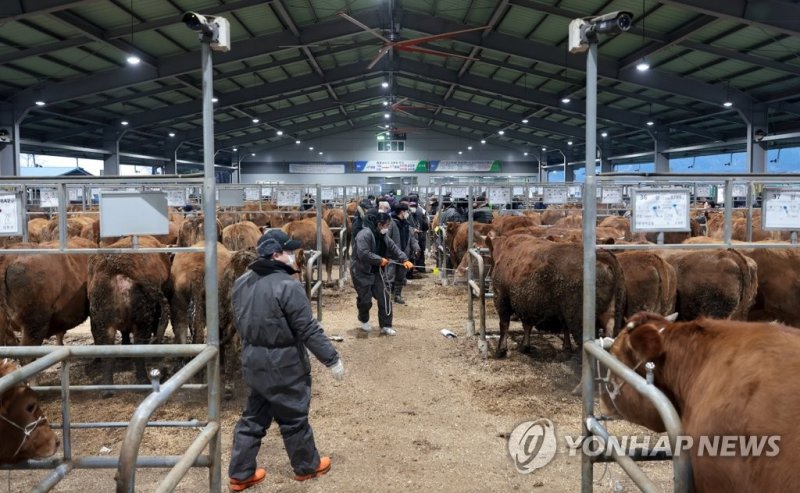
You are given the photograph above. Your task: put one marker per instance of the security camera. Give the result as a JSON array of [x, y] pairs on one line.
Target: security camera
[[583, 31], [759, 135], [216, 29], [5, 136]]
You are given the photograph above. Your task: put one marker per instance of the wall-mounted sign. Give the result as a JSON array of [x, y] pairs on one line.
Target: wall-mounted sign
[[456, 192], [391, 166], [740, 190], [655, 210], [176, 198], [327, 193], [306, 168], [252, 193], [781, 209], [10, 214], [519, 190], [448, 166], [611, 195], [498, 196], [706, 191], [48, 197]]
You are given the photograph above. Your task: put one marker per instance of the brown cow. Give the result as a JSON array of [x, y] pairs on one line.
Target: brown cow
[[504, 224], [713, 283], [23, 426], [457, 238], [50, 232], [334, 219], [671, 238], [127, 294], [237, 266], [37, 228], [778, 296], [187, 292], [650, 283], [192, 231], [621, 224], [724, 378], [305, 230], [59, 283], [542, 283], [240, 236]]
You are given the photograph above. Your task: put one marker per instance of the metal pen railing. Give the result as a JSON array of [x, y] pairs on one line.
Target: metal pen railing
[[314, 286]]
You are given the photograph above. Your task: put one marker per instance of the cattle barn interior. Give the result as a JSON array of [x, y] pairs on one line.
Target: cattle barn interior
[[592, 187]]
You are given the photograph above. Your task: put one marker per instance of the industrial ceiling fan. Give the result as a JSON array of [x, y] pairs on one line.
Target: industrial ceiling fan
[[409, 45], [401, 107]]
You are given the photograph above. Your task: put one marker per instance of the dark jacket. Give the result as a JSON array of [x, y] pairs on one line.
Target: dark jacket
[[368, 252], [273, 317], [403, 235]]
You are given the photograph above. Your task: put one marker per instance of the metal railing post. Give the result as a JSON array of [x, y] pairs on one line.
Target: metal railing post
[[319, 249], [470, 232], [66, 438]]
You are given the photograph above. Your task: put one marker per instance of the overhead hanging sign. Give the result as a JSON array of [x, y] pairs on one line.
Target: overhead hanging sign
[[289, 198], [391, 166], [315, 168], [781, 209], [655, 210], [449, 166], [10, 214], [555, 195]]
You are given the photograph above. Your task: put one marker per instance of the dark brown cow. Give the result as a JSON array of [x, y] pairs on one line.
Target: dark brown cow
[[240, 260], [650, 283], [240, 236], [187, 292], [542, 283], [20, 411], [713, 283], [457, 238], [192, 231], [305, 230], [127, 294], [778, 295], [334, 219], [672, 238], [621, 224], [59, 283], [724, 378]]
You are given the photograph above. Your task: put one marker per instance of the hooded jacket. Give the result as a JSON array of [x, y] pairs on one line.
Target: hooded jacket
[[273, 318], [370, 247]]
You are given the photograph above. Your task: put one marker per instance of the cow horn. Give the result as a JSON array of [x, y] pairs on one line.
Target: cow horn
[[672, 317]]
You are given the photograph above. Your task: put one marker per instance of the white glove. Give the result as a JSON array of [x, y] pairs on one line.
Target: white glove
[[338, 370]]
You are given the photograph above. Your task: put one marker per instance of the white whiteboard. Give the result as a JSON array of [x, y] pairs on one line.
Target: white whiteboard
[[252, 193], [781, 209], [611, 195], [74, 194], [740, 189], [519, 190], [176, 198], [48, 197], [289, 198], [655, 210], [133, 213], [498, 196], [327, 193], [555, 195], [10, 214], [575, 191]]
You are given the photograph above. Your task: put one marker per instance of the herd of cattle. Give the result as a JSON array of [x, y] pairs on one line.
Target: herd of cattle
[[536, 277]]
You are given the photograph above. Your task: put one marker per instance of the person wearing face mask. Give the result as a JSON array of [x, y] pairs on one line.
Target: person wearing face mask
[[419, 221], [373, 249], [273, 318], [404, 237]]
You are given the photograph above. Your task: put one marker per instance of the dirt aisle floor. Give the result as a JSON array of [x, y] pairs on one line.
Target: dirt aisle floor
[[416, 412]]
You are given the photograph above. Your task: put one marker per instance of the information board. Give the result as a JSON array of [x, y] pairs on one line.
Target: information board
[[575, 191], [457, 192], [327, 193], [252, 193], [740, 190], [655, 210], [611, 195], [780, 209], [317, 168], [289, 198], [230, 197], [48, 197], [74, 194], [10, 214], [176, 198], [499, 196], [706, 191], [554, 195], [519, 190], [133, 213]]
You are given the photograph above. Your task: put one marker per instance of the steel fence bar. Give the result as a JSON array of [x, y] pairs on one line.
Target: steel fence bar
[[125, 424], [192, 452], [110, 351], [65, 417], [114, 388], [52, 479], [634, 472], [33, 368]]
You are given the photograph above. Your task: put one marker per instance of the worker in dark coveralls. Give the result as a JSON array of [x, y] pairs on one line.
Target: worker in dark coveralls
[[273, 318], [373, 249]]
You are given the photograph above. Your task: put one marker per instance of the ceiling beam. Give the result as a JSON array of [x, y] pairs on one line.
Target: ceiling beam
[[21, 9], [775, 15], [672, 38]]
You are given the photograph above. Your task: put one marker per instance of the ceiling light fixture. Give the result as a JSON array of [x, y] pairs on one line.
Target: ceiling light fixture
[[501, 132], [253, 154], [256, 120], [40, 103], [524, 153], [386, 103], [279, 133], [565, 100], [483, 141], [650, 123], [214, 100], [569, 142], [727, 104], [469, 148], [384, 84], [544, 149], [172, 134], [643, 66], [133, 60], [525, 120], [123, 122], [235, 149], [297, 142], [604, 135], [311, 148], [320, 153], [460, 153]]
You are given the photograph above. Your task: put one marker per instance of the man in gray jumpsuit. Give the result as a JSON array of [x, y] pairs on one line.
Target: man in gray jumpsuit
[[371, 254], [273, 318]]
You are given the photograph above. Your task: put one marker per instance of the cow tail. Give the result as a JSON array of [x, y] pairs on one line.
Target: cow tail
[[666, 286], [197, 319], [747, 286], [620, 297], [163, 319]]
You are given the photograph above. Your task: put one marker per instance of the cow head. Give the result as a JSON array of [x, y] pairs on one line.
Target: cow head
[[24, 428], [641, 341]]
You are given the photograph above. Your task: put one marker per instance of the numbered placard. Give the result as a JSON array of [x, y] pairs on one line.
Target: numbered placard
[[575, 191], [555, 195], [252, 193], [655, 210], [519, 191], [458, 192], [289, 198], [780, 209], [499, 196], [176, 198], [10, 214], [74, 194], [48, 197], [327, 193], [740, 190], [706, 191], [611, 195]]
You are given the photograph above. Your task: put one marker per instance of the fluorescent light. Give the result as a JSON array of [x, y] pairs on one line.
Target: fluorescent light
[[253, 154], [650, 123], [172, 134], [235, 149], [569, 142], [279, 132], [483, 141], [501, 132], [727, 104], [525, 120], [134, 60], [384, 85], [386, 115], [604, 134], [565, 100], [256, 120], [296, 141], [643, 66], [460, 153], [469, 148], [386, 103], [123, 122], [214, 100], [40, 103]]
